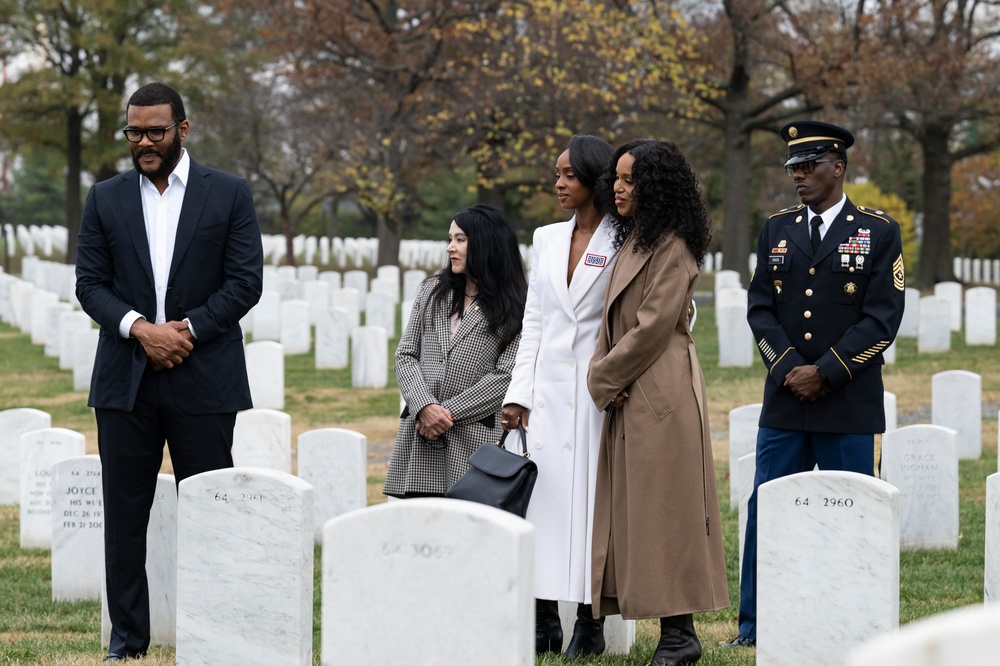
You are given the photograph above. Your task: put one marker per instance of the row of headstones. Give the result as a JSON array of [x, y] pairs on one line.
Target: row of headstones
[[921, 460], [235, 551], [976, 271], [333, 460], [930, 319], [44, 237], [60, 328]]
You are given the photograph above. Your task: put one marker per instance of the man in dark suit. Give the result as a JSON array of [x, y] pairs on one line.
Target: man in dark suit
[[825, 300], [169, 259]]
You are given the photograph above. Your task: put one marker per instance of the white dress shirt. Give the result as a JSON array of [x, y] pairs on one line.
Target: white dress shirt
[[828, 215], [162, 213]]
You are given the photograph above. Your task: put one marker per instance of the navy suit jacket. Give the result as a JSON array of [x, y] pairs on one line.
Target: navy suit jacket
[[838, 308], [216, 276]]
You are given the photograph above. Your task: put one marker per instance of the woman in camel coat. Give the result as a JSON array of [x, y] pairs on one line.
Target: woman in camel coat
[[657, 541]]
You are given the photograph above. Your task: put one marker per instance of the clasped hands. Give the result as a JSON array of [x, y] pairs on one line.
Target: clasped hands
[[166, 345], [433, 421], [806, 383]]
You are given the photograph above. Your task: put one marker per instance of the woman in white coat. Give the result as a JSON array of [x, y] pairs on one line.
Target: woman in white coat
[[571, 263]]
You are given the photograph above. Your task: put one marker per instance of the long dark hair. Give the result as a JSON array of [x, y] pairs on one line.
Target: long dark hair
[[666, 198], [589, 157], [493, 263]]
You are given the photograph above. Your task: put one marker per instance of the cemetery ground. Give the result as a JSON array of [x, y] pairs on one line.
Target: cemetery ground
[[35, 630]]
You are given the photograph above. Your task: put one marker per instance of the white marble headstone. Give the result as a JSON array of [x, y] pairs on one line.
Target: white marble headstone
[[263, 438], [317, 294], [963, 637], [267, 316], [51, 329], [296, 334], [245, 569], [411, 282], [84, 353], [369, 357], [889, 405], [956, 403], [332, 337], [70, 323], [357, 280], [725, 279], [40, 301], [40, 449], [742, 440], [161, 567], [433, 565], [736, 344], [889, 353], [307, 272], [933, 329], [383, 286], [951, 292], [348, 300], [381, 311], [405, 310], [981, 316], [13, 424], [814, 602], [991, 578], [911, 314], [391, 275], [920, 461], [266, 372], [334, 462], [333, 280], [77, 529]]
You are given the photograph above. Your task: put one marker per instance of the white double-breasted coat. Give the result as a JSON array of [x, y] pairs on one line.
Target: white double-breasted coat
[[558, 339]]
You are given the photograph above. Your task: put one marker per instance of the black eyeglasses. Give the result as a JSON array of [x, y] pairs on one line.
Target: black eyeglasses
[[155, 134], [804, 167], [437, 444]]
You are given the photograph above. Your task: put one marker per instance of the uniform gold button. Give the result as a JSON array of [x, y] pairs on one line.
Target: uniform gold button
[[812, 271], [809, 336], [807, 314], [809, 292]]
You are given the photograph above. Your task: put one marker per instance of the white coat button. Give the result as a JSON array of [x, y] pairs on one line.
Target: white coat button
[[570, 404], [538, 445], [572, 363], [545, 320], [568, 446], [541, 403]]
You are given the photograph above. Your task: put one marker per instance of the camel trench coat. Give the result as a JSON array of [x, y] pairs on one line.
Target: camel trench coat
[[657, 549]]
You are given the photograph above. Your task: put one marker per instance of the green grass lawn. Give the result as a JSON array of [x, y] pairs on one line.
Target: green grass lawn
[[34, 630]]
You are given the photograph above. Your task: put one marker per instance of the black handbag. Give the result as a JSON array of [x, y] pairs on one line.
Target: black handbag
[[498, 477]]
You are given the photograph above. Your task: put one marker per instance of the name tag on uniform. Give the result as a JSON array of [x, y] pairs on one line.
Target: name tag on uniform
[[776, 259], [596, 260]]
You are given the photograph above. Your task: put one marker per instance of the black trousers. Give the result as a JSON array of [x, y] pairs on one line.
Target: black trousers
[[131, 448]]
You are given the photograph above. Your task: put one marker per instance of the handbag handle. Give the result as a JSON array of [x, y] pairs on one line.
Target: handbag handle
[[524, 440]]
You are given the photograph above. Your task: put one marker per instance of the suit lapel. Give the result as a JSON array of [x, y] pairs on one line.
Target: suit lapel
[[627, 266], [195, 196], [585, 275], [557, 263], [135, 220], [470, 320], [798, 233]]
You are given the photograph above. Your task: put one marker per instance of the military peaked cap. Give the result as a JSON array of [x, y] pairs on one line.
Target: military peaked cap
[[810, 139]]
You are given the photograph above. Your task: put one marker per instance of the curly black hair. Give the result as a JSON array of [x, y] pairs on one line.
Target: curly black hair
[[666, 198]]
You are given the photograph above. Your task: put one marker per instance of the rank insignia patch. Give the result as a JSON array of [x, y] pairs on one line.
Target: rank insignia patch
[[898, 273]]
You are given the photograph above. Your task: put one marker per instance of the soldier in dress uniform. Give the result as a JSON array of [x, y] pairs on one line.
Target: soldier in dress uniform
[[825, 300]]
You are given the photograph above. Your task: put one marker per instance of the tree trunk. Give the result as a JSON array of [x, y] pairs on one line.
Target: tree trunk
[[493, 196], [935, 246], [333, 222], [736, 196], [74, 151], [288, 231], [388, 234]]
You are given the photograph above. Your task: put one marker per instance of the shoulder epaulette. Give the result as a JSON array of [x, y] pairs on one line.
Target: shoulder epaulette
[[790, 209], [874, 213]]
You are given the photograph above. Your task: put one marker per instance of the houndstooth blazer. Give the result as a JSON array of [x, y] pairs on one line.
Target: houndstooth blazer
[[468, 374]]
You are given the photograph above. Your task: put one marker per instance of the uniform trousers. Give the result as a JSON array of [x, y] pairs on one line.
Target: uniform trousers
[[781, 453], [131, 448]]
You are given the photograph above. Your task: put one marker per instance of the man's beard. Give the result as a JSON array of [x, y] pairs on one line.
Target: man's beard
[[168, 160]]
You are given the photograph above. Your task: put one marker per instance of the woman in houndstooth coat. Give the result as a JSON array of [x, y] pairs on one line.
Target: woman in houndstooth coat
[[454, 360]]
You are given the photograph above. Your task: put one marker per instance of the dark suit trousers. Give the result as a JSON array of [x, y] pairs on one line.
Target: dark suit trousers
[[131, 447], [781, 453]]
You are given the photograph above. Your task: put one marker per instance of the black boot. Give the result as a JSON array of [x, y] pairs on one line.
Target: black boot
[[588, 634], [548, 627], [678, 642]]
